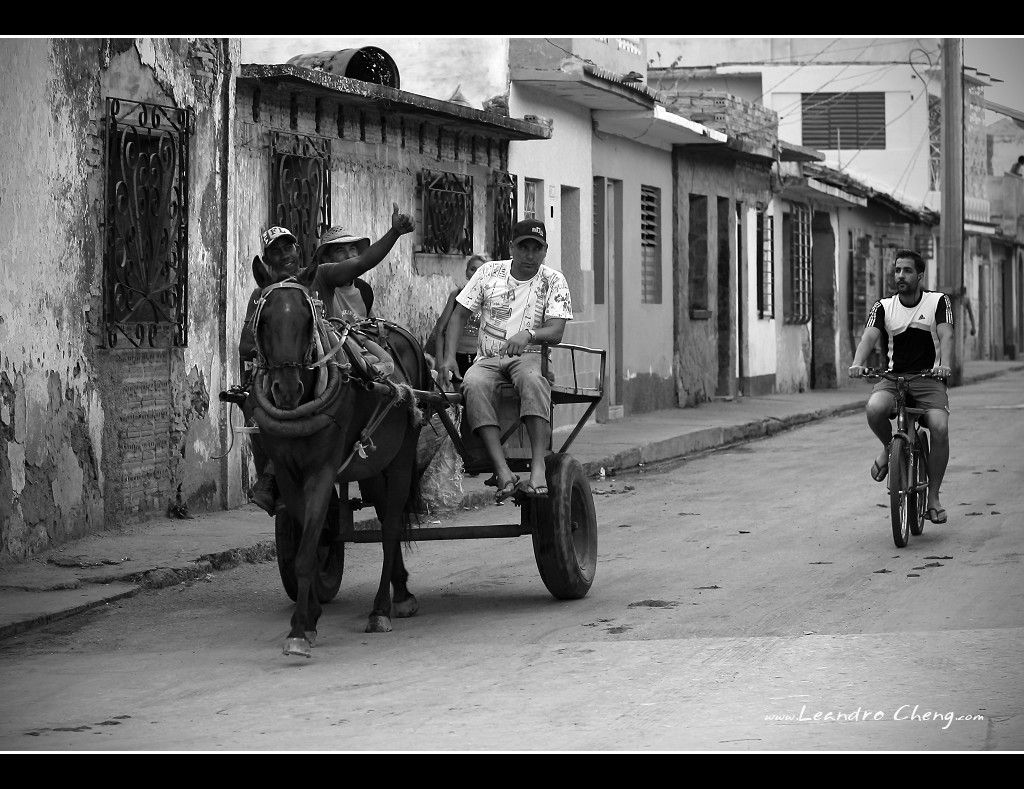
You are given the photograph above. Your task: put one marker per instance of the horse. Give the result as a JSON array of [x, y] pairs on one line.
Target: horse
[[349, 431]]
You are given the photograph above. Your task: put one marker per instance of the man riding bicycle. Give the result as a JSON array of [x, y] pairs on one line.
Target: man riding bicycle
[[917, 328]]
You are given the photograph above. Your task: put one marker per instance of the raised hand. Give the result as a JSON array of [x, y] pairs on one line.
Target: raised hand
[[402, 223]]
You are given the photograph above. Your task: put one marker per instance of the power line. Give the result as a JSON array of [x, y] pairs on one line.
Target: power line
[[791, 73], [875, 133]]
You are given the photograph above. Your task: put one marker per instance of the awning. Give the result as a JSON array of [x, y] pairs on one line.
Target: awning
[[1002, 109], [802, 190], [586, 86], [980, 229], [791, 152], [657, 127]]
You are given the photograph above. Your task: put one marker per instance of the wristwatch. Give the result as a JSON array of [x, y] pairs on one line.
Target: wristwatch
[[533, 334]]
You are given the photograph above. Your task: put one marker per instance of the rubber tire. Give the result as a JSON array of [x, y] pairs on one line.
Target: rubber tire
[[330, 552], [566, 557], [901, 504], [917, 526]]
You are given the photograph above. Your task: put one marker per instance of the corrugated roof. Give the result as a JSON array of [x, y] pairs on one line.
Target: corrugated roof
[[609, 76], [846, 181]]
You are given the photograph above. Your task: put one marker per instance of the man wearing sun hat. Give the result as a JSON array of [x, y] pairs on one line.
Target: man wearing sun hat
[[522, 304]]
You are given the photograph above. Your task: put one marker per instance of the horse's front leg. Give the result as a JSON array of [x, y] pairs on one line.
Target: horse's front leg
[[316, 493]]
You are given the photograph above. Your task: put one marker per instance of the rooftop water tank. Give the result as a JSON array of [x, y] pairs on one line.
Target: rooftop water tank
[[369, 64]]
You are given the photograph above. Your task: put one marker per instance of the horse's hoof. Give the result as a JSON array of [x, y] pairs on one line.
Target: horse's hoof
[[297, 646], [378, 624], [311, 637], [406, 608]]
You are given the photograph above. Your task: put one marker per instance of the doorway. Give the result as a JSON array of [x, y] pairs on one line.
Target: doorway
[[823, 302]]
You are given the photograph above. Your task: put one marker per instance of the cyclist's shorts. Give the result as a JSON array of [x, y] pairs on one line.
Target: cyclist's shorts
[[927, 392]]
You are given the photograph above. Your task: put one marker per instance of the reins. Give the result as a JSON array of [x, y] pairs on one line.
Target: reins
[[312, 417]]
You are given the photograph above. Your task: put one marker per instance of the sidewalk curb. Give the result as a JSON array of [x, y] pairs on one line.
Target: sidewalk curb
[[710, 439]]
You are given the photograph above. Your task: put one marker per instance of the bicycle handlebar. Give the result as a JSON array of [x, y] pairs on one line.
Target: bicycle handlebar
[[877, 372]]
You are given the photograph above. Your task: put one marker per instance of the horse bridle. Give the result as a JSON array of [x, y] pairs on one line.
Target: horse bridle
[[307, 361]]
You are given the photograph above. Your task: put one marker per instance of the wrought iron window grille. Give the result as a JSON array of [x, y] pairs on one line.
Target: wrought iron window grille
[[300, 186], [503, 206], [800, 265], [145, 224], [446, 201]]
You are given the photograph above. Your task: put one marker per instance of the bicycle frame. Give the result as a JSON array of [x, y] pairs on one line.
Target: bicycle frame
[[908, 484]]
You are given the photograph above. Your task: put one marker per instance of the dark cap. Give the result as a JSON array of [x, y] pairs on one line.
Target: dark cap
[[529, 228]]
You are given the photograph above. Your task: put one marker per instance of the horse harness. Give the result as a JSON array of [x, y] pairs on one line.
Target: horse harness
[[371, 362]]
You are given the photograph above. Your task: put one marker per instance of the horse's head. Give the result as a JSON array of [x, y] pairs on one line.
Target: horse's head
[[285, 337]]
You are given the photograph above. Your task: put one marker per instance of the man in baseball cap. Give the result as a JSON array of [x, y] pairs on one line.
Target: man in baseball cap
[[529, 228], [273, 233], [282, 258], [523, 306]]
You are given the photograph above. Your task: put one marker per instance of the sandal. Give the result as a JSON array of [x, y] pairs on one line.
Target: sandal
[[878, 473], [531, 492], [506, 490], [936, 514]]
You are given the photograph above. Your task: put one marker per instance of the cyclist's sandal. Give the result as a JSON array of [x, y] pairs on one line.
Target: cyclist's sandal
[[936, 515], [878, 473]]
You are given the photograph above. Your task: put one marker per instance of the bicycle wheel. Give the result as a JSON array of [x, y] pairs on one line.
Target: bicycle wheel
[[921, 478], [901, 499]]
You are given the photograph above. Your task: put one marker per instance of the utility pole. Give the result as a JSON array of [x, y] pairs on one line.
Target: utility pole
[[951, 259]]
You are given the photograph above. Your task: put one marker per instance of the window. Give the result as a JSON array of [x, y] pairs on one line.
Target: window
[[799, 229], [765, 265], [698, 258], [145, 262], [533, 199], [300, 184], [650, 245], [843, 121], [446, 213]]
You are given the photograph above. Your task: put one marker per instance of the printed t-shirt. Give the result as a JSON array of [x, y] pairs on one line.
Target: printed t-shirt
[[508, 306]]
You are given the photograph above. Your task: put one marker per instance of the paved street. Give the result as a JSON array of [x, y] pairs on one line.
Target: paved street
[[750, 599]]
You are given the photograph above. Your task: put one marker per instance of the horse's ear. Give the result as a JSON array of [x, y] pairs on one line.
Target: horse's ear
[[260, 272], [306, 276]]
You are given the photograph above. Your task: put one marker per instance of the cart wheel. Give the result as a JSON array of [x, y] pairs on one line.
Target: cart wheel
[[330, 555], [564, 528]]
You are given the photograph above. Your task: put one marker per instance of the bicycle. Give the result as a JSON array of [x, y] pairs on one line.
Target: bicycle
[[908, 460]]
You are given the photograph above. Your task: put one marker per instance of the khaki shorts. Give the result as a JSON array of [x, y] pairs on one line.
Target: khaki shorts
[[480, 387], [926, 393]]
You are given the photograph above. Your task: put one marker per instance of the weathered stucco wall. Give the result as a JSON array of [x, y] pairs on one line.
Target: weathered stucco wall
[[647, 344], [696, 341], [62, 456]]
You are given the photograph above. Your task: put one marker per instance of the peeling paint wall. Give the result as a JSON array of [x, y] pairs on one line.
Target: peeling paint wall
[[61, 455]]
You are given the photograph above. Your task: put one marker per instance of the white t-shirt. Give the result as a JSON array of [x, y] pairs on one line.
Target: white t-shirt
[[507, 306]]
